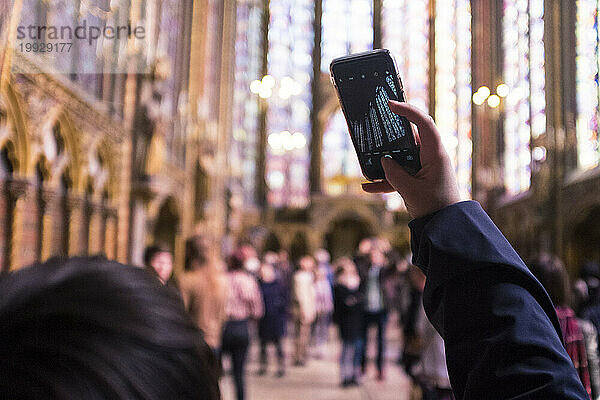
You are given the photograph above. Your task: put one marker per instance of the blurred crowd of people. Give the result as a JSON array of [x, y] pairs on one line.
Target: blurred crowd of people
[[245, 297]]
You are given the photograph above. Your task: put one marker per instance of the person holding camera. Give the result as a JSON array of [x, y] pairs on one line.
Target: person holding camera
[[502, 336]]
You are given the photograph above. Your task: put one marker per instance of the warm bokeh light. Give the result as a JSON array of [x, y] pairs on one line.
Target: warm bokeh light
[[268, 81], [299, 140], [502, 90], [478, 98], [265, 92], [255, 86], [493, 101], [484, 91]]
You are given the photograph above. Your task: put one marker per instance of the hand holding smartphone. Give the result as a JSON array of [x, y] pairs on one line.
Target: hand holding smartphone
[[364, 83]]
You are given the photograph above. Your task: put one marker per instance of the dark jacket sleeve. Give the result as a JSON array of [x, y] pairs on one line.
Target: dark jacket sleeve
[[500, 329]]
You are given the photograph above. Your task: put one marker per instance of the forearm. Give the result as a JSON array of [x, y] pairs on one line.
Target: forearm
[[499, 325]]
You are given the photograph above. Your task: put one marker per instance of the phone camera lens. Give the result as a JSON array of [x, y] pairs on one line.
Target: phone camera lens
[[376, 73]]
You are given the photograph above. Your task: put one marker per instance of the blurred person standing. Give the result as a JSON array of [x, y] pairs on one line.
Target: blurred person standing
[[249, 257], [324, 309], [323, 259], [430, 371], [203, 286], [243, 303], [361, 258], [348, 309], [552, 274], [159, 259], [304, 308], [373, 276], [271, 327]]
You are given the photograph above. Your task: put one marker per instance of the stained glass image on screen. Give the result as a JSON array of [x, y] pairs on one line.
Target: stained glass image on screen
[[375, 129]]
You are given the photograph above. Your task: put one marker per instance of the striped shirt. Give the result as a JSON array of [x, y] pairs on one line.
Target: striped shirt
[[324, 297], [244, 299]]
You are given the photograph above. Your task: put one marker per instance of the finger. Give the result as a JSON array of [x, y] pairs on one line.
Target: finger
[[378, 187], [428, 133], [394, 173]]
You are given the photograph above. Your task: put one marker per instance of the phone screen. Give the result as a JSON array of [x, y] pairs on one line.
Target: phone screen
[[365, 86]]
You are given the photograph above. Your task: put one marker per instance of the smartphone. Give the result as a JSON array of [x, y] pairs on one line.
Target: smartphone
[[364, 83]]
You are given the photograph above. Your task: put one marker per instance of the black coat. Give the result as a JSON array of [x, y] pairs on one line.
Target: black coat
[[272, 325], [348, 308], [502, 336]]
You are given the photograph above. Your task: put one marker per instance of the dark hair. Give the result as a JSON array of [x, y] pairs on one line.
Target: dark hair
[[196, 250], [152, 251], [96, 329], [551, 273], [235, 262]]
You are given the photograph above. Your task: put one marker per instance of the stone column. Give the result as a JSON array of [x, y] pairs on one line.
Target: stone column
[[95, 234], [110, 238], [75, 205], [17, 190], [316, 131], [45, 246]]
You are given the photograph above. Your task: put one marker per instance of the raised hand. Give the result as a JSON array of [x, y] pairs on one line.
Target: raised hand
[[434, 186]]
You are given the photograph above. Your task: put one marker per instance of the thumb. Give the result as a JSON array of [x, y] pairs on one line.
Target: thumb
[[395, 174]]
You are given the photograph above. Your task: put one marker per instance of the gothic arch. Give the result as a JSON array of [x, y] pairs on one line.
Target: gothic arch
[[356, 210], [13, 105], [107, 154], [69, 135]]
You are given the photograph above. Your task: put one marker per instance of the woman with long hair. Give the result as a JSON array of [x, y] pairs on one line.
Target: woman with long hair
[[203, 286]]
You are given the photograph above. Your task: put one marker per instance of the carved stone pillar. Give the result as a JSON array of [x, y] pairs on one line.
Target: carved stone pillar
[[95, 235], [4, 215], [17, 189], [48, 200], [76, 245], [110, 238]]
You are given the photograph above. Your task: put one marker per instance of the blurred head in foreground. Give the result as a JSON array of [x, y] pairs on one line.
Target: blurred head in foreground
[[160, 259], [95, 329]]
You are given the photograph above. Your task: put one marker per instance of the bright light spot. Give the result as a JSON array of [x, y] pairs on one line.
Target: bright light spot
[[450, 142], [268, 81], [539, 153], [478, 98], [284, 93], [255, 86], [275, 141], [276, 180], [299, 140], [265, 92], [287, 141], [484, 91], [502, 90], [286, 81], [394, 202], [296, 88], [493, 101]]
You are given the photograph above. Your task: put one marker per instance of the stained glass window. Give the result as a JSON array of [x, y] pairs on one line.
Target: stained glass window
[[248, 51], [347, 28], [586, 30], [289, 101], [406, 34], [453, 84], [523, 29]]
